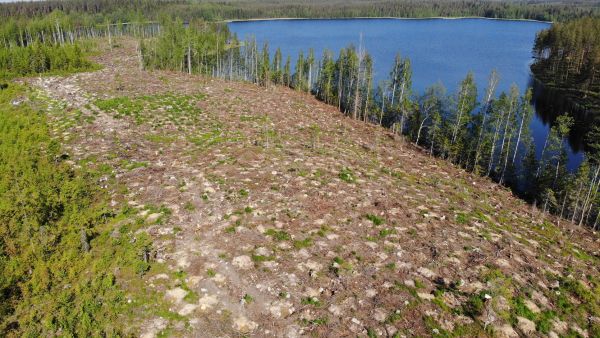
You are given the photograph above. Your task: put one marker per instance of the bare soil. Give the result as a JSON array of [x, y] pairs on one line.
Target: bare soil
[[287, 218]]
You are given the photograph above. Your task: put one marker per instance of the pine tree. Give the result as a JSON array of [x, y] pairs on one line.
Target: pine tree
[[299, 76], [308, 70], [276, 68], [287, 77], [265, 66]]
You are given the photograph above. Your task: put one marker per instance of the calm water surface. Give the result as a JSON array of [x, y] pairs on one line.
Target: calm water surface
[[440, 50]]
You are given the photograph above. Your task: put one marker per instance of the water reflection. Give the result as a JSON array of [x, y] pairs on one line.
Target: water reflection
[[550, 103]]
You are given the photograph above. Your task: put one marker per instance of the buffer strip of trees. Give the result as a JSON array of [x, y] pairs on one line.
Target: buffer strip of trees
[[54, 42], [491, 138]]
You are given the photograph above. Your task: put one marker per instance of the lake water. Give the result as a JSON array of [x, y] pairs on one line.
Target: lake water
[[440, 50]]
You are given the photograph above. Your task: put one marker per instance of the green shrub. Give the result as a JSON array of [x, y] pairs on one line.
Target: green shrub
[[373, 218], [60, 261], [347, 175]]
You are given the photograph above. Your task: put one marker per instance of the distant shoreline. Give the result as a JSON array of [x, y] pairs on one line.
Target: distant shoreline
[[389, 18]]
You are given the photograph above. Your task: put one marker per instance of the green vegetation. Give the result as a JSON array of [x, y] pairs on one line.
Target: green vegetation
[[261, 258], [305, 243], [39, 58], [61, 261], [179, 110], [347, 175], [278, 235], [316, 322], [311, 301], [376, 220], [339, 266], [248, 299]]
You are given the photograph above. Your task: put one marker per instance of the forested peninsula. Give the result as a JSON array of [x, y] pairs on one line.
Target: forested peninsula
[[567, 58]]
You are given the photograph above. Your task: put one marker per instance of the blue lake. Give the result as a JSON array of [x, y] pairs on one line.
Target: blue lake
[[440, 50]]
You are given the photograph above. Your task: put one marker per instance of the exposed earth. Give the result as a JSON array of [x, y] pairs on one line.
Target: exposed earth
[[274, 215]]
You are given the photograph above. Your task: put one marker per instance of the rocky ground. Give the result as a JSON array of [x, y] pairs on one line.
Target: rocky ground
[[276, 216]]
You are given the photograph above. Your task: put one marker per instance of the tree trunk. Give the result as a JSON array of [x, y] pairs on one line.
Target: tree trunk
[[562, 209], [109, 36], [420, 127], [189, 59], [518, 139], [382, 107], [537, 174], [459, 116], [491, 164], [587, 198]]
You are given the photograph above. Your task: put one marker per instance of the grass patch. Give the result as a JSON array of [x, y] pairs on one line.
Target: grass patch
[[375, 219], [248, 299], [339, 265], [347, 175], [278, 235], [316, 322], [474, 305], [261, 258], [160, 138], [314, 301], [462, 218], [305, 243]]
